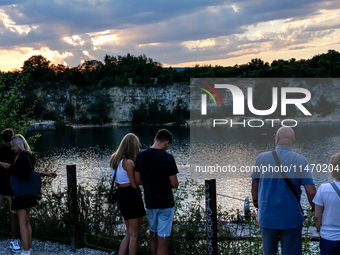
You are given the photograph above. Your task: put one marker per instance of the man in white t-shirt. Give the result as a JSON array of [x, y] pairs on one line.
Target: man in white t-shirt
[[327, 213]]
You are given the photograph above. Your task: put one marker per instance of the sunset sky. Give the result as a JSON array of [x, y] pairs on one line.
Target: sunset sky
[[177, 33]]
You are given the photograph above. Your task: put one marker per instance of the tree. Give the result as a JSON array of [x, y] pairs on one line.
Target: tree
[[100, 106], [37, 65], [257, 63], [69, 110], [11, 102]]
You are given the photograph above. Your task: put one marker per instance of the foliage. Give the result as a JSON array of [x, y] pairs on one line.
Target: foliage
[[51, 115], [37, 66], [101, 106], [61, 125], [69, 110], [101, 224], [152, 112], [84, 119], [12, 112], [115, 70]]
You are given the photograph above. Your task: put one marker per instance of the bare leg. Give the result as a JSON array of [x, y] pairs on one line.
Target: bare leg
[[162, 248], [29, 229], [15, 226], [25, 228], [134, 228], [153, 242], [123, 248]]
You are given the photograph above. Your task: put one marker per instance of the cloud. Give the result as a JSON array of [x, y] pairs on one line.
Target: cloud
[[169, 31]]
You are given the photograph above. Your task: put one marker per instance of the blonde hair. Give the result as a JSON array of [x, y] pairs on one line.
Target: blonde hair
[[335, 162], [18, 141], [128, 148]]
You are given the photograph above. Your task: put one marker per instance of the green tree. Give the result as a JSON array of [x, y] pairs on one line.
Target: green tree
[[69, 110], [101, 106], [12, 103]]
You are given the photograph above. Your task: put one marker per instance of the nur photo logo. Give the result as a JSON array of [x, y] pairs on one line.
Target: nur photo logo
[[240, 98]]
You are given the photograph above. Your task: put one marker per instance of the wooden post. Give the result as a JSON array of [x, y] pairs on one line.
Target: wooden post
[[73, 205], [211, 216]]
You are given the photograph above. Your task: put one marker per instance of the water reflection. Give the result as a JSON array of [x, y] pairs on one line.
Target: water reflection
[[90, 150]]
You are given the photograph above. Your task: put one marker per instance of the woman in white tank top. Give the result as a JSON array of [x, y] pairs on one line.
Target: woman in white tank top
[[327, 213], [130, 201]]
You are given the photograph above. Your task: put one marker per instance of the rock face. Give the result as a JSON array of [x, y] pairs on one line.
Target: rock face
[[129, 98], [124, 100]]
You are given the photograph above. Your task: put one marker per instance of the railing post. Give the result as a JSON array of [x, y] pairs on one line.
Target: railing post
[[211, 216], [73, 205]]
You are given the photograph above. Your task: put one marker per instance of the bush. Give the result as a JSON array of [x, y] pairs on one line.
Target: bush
[[51, 115], [100, 106], [60, 125], [69, 110], [84, 119], [107, 82], [154, 113], [95, 120]]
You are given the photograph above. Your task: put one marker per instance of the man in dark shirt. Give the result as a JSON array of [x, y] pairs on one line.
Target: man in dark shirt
[[157, 171], [8, 156]]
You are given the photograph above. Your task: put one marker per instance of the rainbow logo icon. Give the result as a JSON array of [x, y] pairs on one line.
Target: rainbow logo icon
[[204, 97]]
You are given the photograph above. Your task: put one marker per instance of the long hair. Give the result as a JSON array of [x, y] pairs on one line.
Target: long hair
[[128, 148], [18, 141], [335, 165]]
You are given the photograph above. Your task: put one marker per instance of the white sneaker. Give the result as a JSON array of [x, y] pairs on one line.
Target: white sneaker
[[25, 253], [14, 245]]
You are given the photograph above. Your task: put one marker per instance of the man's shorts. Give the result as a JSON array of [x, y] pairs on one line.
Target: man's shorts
[[160, 220], [291, 243], [9, 199]]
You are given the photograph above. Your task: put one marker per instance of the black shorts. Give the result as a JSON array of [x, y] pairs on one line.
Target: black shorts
[[130, 203], [24, 202]]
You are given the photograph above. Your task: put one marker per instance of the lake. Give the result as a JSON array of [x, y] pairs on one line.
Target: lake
[[90, 150]]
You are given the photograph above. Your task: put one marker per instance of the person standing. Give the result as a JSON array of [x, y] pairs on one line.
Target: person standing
[[157, 171], [279, 214], [21, 168], [130, 201], [7, 155], [327, 211]]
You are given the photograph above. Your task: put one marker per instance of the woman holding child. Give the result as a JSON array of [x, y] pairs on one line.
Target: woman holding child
[[327, 213], [130, 201]]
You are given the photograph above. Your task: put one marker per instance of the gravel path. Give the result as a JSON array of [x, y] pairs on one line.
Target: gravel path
[[49, 248]]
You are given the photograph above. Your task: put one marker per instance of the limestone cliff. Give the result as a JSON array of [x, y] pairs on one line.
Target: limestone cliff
[[126, 99]]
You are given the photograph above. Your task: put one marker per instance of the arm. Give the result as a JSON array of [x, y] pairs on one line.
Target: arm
[[174, 181], [254, 192], [138, 179], [5, 165], [128, 167], [50, 174], [318, 216], [310, 191]]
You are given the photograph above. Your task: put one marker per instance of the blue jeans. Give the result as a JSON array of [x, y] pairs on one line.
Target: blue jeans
[[329, 247], [291, 243]]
